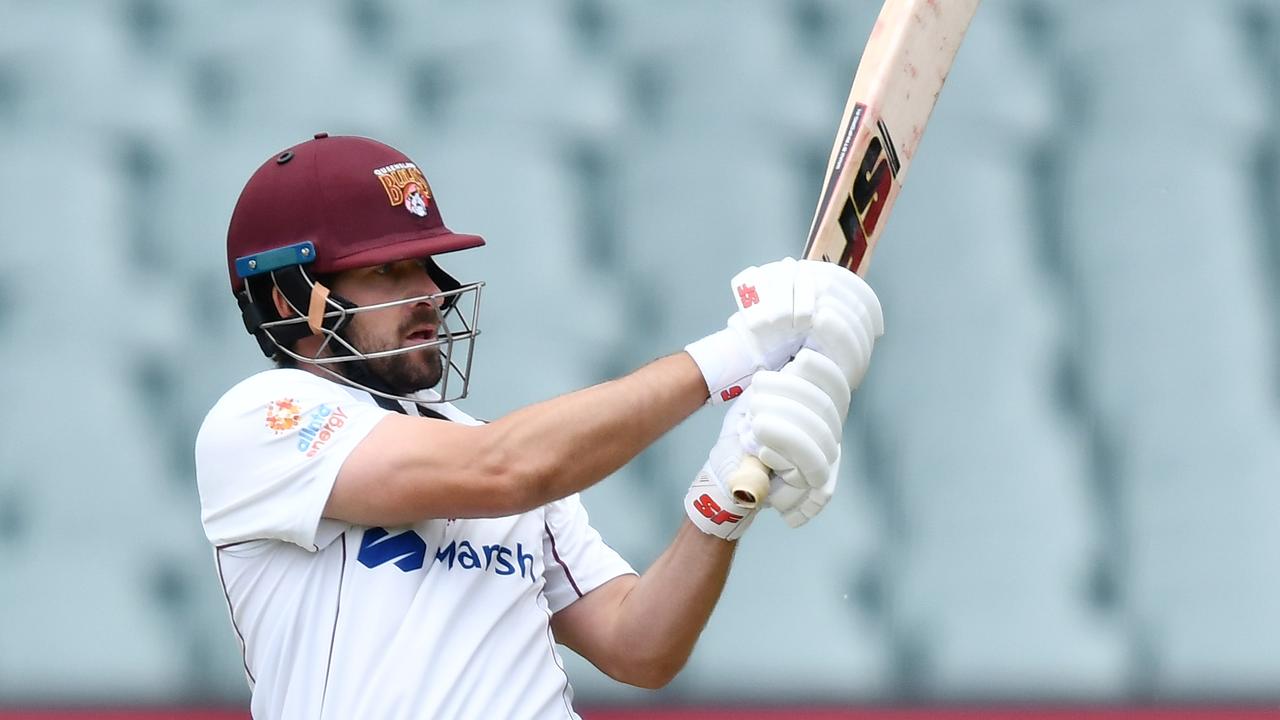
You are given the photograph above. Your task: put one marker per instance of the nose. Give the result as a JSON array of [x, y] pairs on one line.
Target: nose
[[422, 283]]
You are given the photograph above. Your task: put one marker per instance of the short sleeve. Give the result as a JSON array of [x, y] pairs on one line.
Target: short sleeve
[[577, 560], [269, 451]]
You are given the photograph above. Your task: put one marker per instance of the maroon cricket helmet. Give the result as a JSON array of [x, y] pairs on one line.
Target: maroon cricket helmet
[[336, 203]]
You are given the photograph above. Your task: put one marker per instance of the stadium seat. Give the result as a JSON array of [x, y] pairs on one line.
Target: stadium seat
[[998, 528], [1178, 322]]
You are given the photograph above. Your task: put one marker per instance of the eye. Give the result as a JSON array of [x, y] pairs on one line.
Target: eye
[[384, 269]]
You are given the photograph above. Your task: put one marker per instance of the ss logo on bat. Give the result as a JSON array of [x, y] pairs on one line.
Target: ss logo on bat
[[869, 195]]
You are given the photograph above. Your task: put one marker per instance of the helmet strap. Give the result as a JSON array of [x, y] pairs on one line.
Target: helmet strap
[[317, 307]]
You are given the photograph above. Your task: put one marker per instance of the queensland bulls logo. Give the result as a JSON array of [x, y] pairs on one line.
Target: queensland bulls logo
[[405, 186]]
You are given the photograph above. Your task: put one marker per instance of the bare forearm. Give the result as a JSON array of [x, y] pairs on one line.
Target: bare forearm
[[566, 444], [660, 619]]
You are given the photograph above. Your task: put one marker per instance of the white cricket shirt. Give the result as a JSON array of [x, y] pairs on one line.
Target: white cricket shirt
[[441, 619]]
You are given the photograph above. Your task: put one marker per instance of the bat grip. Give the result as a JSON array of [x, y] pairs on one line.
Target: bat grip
[[749, 484]]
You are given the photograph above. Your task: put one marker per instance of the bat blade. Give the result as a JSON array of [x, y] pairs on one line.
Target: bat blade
[[899, 78], [902, 71]]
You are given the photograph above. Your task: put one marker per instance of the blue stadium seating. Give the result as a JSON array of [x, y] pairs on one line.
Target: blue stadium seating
[[1060, 476]]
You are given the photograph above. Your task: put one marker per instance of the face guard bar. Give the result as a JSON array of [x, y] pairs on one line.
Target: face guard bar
[[458, 325]]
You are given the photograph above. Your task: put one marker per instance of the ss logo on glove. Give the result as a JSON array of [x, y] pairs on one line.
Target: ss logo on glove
[[730, 393], [712, 511]]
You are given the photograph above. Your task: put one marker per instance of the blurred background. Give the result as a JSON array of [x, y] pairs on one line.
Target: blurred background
[[1060, 482]]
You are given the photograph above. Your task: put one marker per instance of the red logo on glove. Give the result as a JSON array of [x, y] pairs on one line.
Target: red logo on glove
[[730, 393], [712, 511], [747, 296]]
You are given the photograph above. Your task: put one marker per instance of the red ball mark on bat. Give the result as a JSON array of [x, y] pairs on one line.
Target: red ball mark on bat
[[933, 5], [913, 71], [917, 134], [747, 296]]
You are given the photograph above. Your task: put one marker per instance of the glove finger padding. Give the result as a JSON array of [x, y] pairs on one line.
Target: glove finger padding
[[785, 497], [852, 292], [845, 329], [798, 507], [786, 428], [801, 390], [847, 343], [823, 372]]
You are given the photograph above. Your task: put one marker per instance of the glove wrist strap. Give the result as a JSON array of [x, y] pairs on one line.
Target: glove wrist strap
[[725, 362], [713, 511]]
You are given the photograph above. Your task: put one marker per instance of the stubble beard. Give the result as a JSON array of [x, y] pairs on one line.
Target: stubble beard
[[409, 372], [400, 374]]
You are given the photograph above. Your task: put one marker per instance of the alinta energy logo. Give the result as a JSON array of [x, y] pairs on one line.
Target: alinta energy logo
[[283, 415], [322, 424]]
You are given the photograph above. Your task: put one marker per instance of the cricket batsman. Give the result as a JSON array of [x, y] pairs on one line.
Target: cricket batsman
[[385, 555]]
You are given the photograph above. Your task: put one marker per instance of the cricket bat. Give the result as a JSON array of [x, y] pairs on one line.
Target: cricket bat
[[898, 81]]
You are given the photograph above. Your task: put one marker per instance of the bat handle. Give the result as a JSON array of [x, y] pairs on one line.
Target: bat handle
[[750, 482]]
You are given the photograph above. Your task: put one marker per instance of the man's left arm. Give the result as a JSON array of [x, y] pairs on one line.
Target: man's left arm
[[641, 630]]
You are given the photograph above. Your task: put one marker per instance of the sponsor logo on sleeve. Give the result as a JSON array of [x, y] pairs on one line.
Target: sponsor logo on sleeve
[[315, 429], [321, 425], [282, 415]]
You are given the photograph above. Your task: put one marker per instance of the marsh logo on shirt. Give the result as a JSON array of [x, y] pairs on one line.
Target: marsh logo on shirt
[[321, 425], [409, 552]]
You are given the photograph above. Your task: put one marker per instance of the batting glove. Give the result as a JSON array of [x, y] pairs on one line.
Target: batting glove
[[811, 393], [799, 505], [791, 422], [775, 303], [834, 360], [847, 322]]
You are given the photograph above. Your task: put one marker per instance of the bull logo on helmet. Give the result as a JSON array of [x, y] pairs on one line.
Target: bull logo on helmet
[[413, 200], [405, 186]]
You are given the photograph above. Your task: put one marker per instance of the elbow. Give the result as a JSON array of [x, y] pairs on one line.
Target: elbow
[[522, 481], [525, 486], [654, 680], [521, 492], [519, 482], [652, 674]]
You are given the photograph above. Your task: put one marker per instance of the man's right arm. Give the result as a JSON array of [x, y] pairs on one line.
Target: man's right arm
[[408, 468]]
